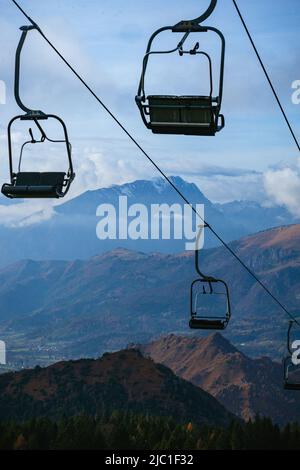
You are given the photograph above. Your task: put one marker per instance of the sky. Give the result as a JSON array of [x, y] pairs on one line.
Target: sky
[[253, 158]]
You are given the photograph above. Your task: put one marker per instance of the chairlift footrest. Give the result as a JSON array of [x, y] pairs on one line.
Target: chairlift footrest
[[206, 324]]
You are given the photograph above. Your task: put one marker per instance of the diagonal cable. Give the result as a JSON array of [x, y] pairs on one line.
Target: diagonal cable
[[156, 166]]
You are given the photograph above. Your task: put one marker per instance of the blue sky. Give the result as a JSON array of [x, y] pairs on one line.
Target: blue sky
[[105, 40]]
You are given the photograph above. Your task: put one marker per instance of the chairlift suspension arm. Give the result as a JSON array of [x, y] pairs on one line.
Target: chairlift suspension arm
[[197, 256], [291, 324], [206, 278], [194, 24], [25, 30], [207, 13]]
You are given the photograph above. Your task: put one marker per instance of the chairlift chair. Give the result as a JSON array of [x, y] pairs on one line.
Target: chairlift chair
[[24, 184], [185, 115], [291, 371], [201, 317], [208, 288]]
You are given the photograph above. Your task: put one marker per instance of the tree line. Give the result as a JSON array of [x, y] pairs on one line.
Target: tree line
[[128, 431]]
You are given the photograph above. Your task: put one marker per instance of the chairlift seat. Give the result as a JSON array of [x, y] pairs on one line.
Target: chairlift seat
[[292, 386], [207, 324], [203, 317], [187, 115], [35, 185]]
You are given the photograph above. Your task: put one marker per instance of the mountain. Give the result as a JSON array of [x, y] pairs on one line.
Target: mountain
[[71, 231], [245, 386], [253, 217], [54, 310], [124, 381]]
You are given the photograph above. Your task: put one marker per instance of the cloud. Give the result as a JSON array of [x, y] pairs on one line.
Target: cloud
[[282, 186], [221, 184], [25, 214], [95, 170], [226, 188], [278, 186], [210, 170]]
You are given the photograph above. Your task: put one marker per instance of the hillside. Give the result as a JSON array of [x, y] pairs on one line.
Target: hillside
[[123, 381], [251, 213], [54, 310], [245, 386]]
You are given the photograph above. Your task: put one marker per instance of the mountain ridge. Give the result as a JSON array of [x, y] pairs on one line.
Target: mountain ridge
[[123, 381], [245, 386], [68, 309], [49, 238]]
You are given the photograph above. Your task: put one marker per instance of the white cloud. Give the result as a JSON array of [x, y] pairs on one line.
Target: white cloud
[[25, 213], [17, 137], [282, 185], [219, 183], [226, 188], [279, 186], [97, 170]]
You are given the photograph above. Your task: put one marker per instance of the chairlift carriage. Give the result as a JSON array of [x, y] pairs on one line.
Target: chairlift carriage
[[291, 370], [24, 184], [187, 115], [207, 295]]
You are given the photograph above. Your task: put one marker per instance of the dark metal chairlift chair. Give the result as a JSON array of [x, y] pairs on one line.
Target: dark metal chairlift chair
[[35, 184], [187, 115], [208, 284]]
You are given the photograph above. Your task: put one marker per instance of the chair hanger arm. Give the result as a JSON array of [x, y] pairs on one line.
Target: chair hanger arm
[[207, 13], [25, 30], [197, 256], [195, 24], [291, 324]]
